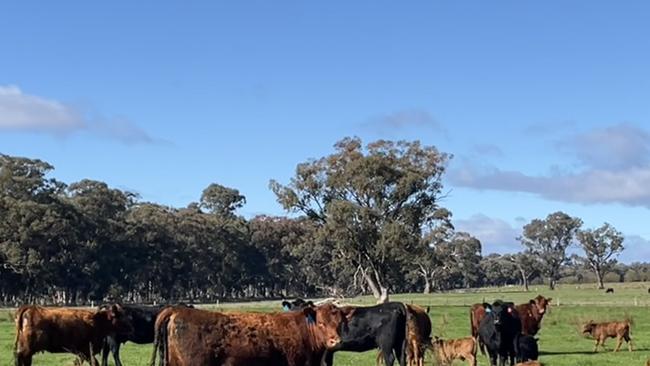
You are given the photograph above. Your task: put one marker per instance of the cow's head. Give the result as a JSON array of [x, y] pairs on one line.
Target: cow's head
[[119, 320], [297, 304], [588, 327], [326, 320], [500, 312], [541, 303]]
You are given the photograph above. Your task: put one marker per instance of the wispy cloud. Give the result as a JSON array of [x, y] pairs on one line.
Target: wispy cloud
[[487, 150], [30, 113], [619, 146], [615, 168], [496, 235], [403, 120]]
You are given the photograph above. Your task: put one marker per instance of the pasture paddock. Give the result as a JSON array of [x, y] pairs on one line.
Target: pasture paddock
[[561, 343]]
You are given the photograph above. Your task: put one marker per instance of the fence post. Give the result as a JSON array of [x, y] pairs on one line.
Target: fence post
[[635, 301]]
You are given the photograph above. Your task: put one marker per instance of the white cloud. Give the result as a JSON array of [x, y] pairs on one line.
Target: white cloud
[[616, 169], [19, 111], [30, 113], [496, 235], [637, 249]]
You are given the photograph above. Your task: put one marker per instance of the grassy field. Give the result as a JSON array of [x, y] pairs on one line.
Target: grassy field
[[561, 344]]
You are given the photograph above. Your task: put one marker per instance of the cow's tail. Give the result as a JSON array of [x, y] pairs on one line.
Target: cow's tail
[[160, 343], [19, 329]]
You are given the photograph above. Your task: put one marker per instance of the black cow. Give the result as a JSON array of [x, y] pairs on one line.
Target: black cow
[[609, 291], [143, 319], [381, 326], [498, 331], [297, 304], [526, 348]]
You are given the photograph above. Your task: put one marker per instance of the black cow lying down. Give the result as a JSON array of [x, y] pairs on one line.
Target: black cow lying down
[[143, 319], [498, 331]]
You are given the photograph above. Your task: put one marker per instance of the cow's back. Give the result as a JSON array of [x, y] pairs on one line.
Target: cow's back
[[54, 330]]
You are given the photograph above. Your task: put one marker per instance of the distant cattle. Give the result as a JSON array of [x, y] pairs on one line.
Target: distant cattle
[[297, 304], [142, 319], [446, 351], [498, 330], [381, 326], [609, 291], [61, 330], [188, 337], [526, 348], [601, 331], [531, 314]]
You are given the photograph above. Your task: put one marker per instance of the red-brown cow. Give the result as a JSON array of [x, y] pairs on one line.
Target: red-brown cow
[[531, 314], [60, 330], [601, 331], [190, 337]]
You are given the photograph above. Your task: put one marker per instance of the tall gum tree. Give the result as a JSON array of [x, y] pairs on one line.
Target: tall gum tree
[[548, 239], [601, 246], [373, 203]]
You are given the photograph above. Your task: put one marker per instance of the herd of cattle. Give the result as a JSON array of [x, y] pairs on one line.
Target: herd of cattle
[[303, 334]]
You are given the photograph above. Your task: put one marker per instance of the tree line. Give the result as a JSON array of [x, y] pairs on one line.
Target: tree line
[[362, 220]]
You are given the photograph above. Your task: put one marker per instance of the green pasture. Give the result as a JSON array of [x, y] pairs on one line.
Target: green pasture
[[561, 344]]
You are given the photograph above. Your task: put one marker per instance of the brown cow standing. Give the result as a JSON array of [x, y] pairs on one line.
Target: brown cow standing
[[418, 335], [601, 331], [60, 330], [446, 351], [531, 314], [190, 337]]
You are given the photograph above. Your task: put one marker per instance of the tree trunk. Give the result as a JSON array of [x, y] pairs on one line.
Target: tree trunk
[[376, 293], [525, 283], [599, 276], [384, 296], [551, 283], [427, 285]]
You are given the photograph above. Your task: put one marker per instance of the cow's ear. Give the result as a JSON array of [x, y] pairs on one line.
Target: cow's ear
[[549, 300], [532, 302], [428, 308], [310, 303], [487, 306], [310, 314], [286, 306], [349, 313], [115, 309]]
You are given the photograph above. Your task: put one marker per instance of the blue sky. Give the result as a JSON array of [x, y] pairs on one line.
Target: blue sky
[[543, 104]]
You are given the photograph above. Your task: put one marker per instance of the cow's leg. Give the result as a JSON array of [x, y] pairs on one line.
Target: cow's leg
[[471, 360], [378, 360], [328, 359], [596, 345], [23, 359], [619, 342], [629, 341], [116, 354], [389, 357], [105, 351]]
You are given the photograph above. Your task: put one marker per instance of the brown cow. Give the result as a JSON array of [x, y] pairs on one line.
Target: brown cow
[[189, 337], [60, 330], [418, 335], [531, 314], [601, 331], [446, 351]]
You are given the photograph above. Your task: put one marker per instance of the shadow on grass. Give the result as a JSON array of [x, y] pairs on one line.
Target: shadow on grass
[[589, 352]]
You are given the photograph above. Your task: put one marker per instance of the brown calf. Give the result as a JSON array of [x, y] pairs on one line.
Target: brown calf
[[531, 314], [60, 330], [446, 351], [601, 331], [190, 337]]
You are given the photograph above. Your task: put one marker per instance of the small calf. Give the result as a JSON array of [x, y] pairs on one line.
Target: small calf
[[446, 351], [601, 331], [609, 291], [526, 348]]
